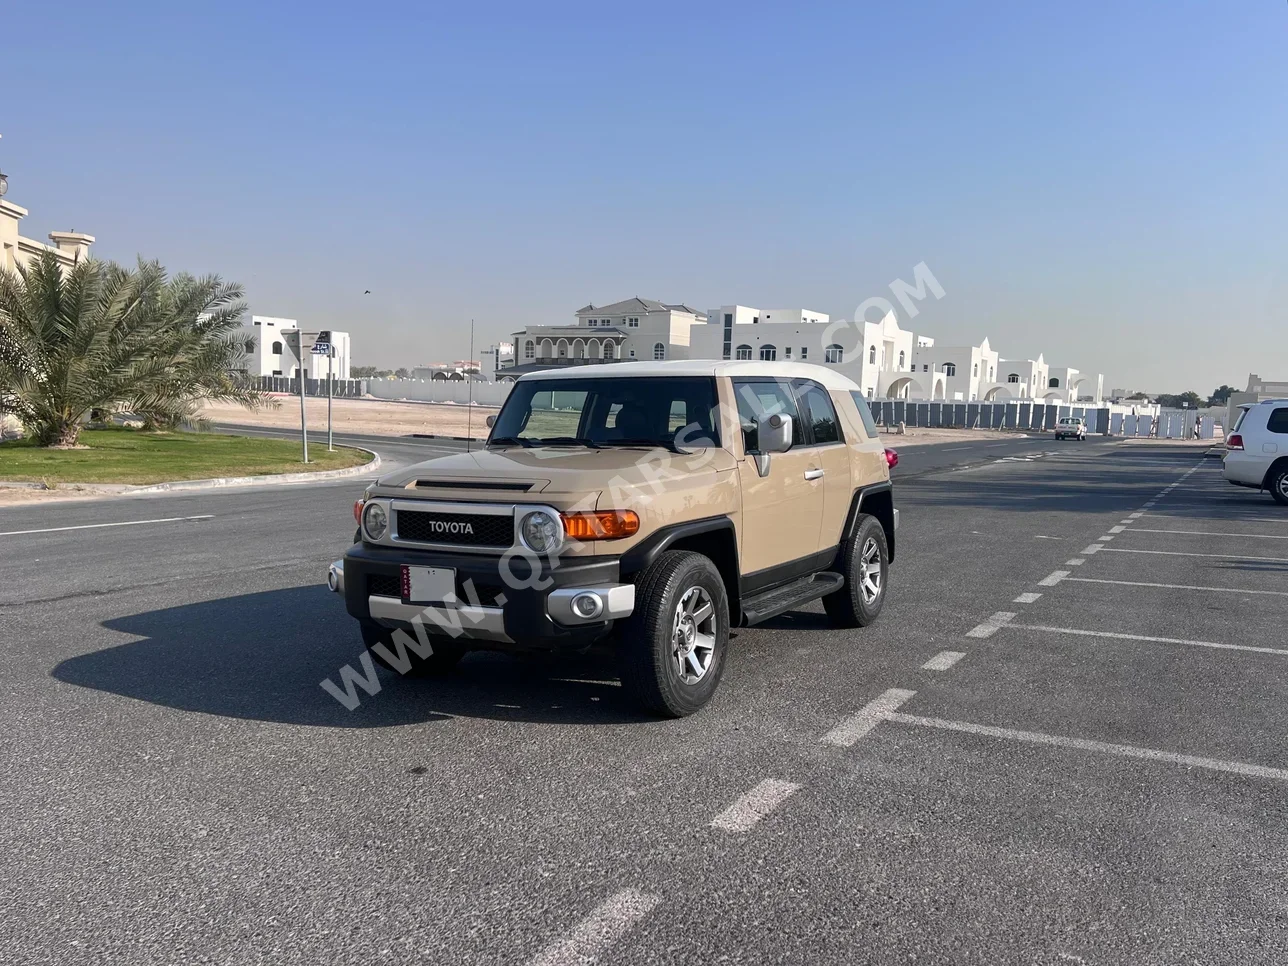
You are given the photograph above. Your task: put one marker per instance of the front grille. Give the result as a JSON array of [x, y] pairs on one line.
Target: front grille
[[459, 529], [384, 585]]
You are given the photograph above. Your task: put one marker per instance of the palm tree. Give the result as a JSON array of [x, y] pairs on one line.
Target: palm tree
[[99, 336]]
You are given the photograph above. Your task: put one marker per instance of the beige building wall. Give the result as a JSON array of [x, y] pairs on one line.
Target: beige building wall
[[15, 250]]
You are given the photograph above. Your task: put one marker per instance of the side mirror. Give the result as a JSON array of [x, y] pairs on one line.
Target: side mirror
[[774, 433], [491, 421]]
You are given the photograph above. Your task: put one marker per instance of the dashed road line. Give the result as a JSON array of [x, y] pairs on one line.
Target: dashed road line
[[1207, 533], [989, 627], [1075, 562], [1146, 638], [1083, 744], [754, 805], [97, 526], [1106, 538], [1053, 578], [1139, 583], [1093, 549], [868, 717], [943, 661], [606, 924], [1118, 529], [1026, 598]]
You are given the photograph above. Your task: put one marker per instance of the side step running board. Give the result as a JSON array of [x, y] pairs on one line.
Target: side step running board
[[782, 599]]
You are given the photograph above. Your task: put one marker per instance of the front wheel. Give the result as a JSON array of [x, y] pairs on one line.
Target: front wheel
[[672, 648], [403, 651], [865, 565], [1278, 484]]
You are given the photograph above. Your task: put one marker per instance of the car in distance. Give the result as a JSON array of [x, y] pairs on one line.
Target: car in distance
[[1071, 427], [1256, 450], [653, 504]]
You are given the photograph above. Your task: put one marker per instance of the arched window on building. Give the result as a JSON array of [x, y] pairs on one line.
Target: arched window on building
[[949, 369], [1053, 383], [277, 348], [872, 356], [833, 354], [610, 350], [902, 356], [1013, 377], [974, 370], [768, 353], [529, 349], [659, 350], [561, 348], [744, 352]]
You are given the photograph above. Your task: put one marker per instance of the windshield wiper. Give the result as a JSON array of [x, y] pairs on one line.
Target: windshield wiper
[[569, 441], [511, 441], [668, 444]]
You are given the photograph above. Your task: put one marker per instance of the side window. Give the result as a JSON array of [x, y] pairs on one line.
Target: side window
[[757, 398], [821, 413], [1278, 422], [865, 414]]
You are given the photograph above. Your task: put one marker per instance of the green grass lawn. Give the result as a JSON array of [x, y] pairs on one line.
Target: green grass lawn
[[133, 456]]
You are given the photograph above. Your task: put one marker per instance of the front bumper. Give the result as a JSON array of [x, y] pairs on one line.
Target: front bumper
[[525, 607]]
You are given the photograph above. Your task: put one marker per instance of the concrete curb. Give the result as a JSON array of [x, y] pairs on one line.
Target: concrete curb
[[108, 489]]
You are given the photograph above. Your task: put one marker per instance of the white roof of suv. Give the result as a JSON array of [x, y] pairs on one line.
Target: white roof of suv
[[829, 378]]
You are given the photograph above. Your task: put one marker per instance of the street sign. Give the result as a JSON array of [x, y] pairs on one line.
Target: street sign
[[321, 348]]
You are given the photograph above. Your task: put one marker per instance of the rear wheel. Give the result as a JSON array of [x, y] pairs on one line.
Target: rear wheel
[[1277, 483], [672, 648], [400, 655], [865, 564]]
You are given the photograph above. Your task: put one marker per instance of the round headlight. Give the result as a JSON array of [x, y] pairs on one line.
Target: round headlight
[[540, 532], [375, 521]]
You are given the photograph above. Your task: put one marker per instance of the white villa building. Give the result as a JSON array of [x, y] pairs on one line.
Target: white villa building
[[888, 361], [273, 354]]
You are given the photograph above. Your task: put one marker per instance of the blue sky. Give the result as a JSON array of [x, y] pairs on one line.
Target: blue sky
[[1104, 182]]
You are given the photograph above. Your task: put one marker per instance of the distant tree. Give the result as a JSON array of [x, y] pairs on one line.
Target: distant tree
[[1221, 396], [1138, 395], [102, 337], [1190, 398], [402, 374], [362, 372]]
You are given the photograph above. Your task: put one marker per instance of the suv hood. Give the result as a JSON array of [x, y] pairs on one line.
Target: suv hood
[[547, 470]]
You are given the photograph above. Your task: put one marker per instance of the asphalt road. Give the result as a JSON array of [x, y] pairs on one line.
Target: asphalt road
[[1064, 742]]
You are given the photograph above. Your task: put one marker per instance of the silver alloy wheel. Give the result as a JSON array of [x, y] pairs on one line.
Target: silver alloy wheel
[[693, 635], [870, 571], [1281, 485]]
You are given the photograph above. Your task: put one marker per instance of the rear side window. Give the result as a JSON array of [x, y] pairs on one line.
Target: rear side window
[[764, 397], [1278, 422], [865, 414], [821, 413], [1243, 414]]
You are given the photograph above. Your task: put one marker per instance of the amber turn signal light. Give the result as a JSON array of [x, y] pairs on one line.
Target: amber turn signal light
[[357, 510], [601, 525]]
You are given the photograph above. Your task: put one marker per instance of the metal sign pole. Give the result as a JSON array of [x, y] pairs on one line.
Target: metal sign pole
[[330, 439]]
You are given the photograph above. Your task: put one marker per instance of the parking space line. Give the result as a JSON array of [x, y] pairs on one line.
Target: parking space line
[[1139, 583], [1206, 533], [606, 924], [868, 717], [1094, 548], [1185, 553], [754, 805], [943, 661], [1053, 578], [1084, 744], [1118, 529], [1075, 562], [1106, 538], [989, 627], [96, 526], [1145, 638], [1026, 598]]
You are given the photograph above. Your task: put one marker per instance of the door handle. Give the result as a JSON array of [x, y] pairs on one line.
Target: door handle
[[813, 474]]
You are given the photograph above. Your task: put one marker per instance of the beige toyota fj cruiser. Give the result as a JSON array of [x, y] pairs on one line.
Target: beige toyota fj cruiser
[[658, 504]]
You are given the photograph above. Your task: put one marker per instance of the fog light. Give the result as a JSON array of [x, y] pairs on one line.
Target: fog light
[[587, 606]]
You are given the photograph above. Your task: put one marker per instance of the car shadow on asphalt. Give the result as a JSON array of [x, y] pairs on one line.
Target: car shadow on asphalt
[[263, 656]]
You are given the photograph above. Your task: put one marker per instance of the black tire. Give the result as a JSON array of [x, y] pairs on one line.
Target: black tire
[[657, 639], [1277, 483], [854, 605], [447, 653]]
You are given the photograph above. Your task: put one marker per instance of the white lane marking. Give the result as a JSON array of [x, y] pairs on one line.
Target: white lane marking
[[96, 526], [1106, 538], [606, 924], [868, 717], [1083, 744], [1207, 533], [990, 626], [1148, 638], [755, 805], [1118, 529], [1054, 578], [1093, 549], [1137, 583], [1183, 553], [1044, 537], [1026, 598], [1135, 516], [943, 661], [1075, 562]]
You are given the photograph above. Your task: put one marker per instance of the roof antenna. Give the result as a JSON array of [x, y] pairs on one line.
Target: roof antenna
[[469, 412]]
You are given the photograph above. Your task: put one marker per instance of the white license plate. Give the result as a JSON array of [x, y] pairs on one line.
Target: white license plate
[[429, 585]]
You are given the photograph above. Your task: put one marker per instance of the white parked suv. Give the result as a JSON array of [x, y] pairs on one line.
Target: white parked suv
[[1257, 448]]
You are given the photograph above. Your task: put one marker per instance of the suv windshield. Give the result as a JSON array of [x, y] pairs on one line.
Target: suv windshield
[[630, 411]]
